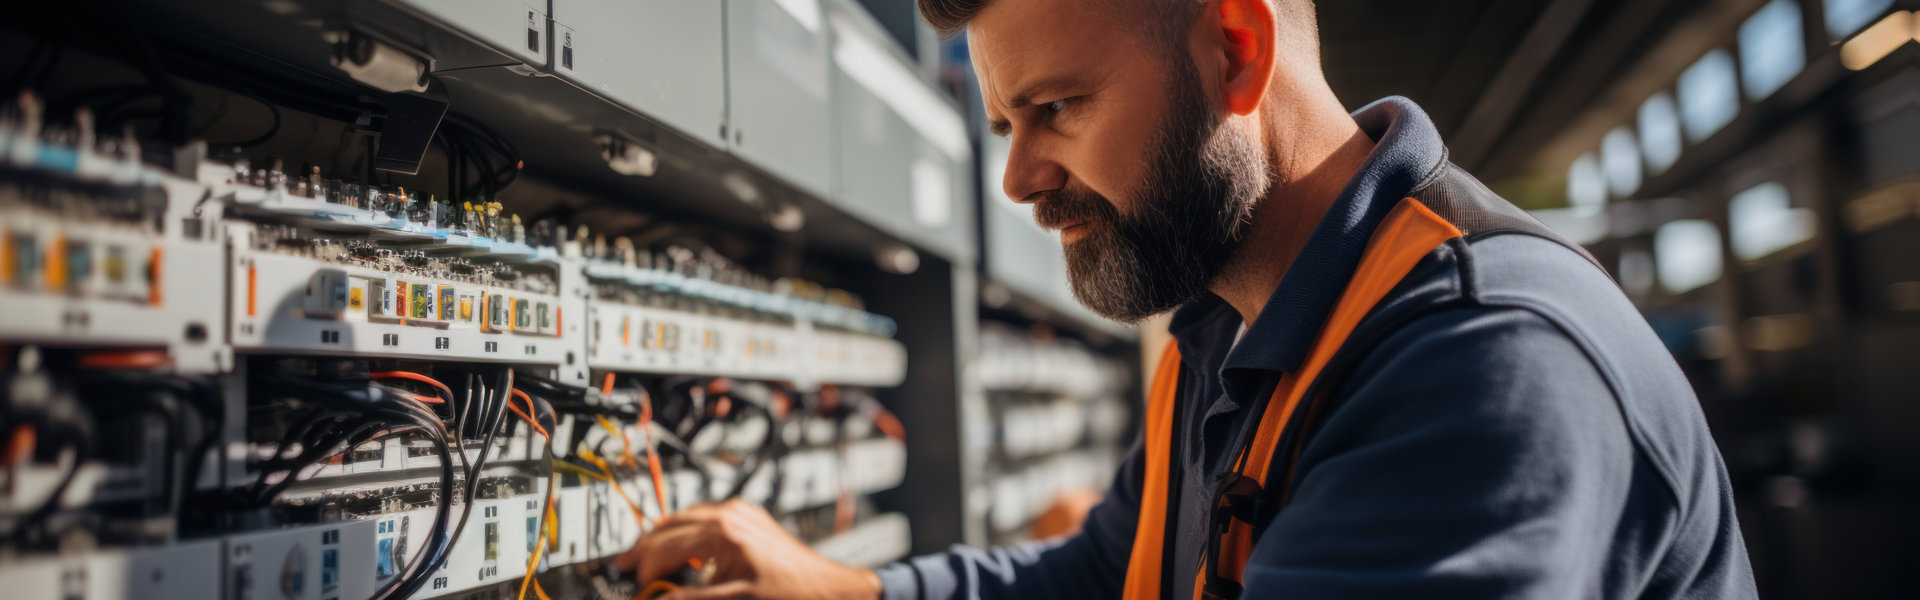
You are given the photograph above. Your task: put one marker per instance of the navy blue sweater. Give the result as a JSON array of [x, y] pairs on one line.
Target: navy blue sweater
[[1502, 424]]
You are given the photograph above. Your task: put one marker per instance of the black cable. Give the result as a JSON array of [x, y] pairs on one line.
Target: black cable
[[770, 448], [368, 408], [473, 487]]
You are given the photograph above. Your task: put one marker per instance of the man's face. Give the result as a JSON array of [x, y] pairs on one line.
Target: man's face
[[1120, 146]]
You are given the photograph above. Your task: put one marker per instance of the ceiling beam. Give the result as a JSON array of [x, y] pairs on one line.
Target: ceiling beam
[[1502, 97], [1582, 114]]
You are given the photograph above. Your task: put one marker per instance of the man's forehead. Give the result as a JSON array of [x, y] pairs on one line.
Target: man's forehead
[[1014, 42]]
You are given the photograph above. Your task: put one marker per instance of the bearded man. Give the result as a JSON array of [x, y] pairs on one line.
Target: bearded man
[[1386, 382]]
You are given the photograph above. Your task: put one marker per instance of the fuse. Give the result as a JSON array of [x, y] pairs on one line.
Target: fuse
[[326, 294], [389, 305], [445, 303], [522, 316], [79, 264], [420, 301], [497, 308], [357, 296], [114, 265]]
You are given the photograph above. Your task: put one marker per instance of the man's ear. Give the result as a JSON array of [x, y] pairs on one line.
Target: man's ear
[[1247, 30]]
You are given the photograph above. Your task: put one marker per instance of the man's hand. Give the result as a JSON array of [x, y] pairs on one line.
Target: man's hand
[[753, 557]]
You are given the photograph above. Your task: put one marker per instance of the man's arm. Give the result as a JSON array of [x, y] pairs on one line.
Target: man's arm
[[1091, 564], [1477, 454], [756, 558]]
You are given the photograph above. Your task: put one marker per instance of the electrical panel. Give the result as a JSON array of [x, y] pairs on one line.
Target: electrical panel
[[1060, 427], [305, 366], [517, 28], [662, 58], [903, 154], [778, 83]]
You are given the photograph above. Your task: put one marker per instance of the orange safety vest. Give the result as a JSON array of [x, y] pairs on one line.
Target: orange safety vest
[[1407, 234]]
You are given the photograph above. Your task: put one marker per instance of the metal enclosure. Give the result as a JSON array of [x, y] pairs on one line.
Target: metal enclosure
[[778, 89], [516, 27], [661, 58], [903, 157]]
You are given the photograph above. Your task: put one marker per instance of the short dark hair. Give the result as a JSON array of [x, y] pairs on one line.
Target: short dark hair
[[950, 17]]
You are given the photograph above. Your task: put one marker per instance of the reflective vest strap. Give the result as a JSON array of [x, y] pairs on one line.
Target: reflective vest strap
[[1408, 234], [1143, 567]]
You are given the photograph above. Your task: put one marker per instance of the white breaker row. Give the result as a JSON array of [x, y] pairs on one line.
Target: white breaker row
[[201, 285], [352, 559], [594, 519], [198, 282]]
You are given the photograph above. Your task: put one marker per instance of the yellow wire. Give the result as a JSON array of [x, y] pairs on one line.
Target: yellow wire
[[582, 472], [602, 465], [625, 440], [540, 540]]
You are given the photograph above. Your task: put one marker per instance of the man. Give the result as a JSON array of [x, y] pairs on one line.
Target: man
[[1387, 381]]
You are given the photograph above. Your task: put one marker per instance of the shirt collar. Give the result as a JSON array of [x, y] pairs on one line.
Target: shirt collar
[[1407, 153]]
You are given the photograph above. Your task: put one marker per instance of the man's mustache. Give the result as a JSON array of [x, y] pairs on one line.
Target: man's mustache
[[1061, 208]]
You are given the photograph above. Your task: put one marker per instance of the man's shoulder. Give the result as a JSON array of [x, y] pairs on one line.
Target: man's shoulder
[[1522, 319]]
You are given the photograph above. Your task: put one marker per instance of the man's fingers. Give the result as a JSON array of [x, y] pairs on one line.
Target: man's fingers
[[662, 552], [693, 518], [732, 590]]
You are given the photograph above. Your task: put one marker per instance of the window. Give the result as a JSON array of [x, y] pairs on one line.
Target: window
[[1620, 159], [1762, 221], [1709, 95], [1586, 183], [1847, 16], [1772, 48], [1636, 271], [1659, 132], [1686, 254]]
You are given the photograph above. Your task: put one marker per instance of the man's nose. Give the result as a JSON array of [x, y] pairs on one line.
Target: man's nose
[[1030, 171]]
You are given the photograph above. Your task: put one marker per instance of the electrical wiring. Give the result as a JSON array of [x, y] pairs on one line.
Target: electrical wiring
[[350, 413], [58, 419], [408, 585], [659, 587], [607, 472], [653, 457], [528, 416], [446, 392], [540, 540], [547, 513]]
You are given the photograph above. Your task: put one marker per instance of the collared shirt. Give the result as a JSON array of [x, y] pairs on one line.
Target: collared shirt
[[1505, 424]]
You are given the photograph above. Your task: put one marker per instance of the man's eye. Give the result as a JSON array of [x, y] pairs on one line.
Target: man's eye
[[1054, 107]]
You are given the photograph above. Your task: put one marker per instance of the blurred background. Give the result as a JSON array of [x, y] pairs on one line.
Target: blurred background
[[1748, 170]]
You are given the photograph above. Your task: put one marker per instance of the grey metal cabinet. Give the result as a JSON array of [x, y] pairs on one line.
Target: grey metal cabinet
[[778, 89], [665, 59], [903, 156], [515, 27]]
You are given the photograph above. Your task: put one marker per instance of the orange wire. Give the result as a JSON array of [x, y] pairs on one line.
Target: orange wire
[[19, 445], [528, 418], [653, 458], [409, 375], [888, 423], [615, 483], [131, 359]]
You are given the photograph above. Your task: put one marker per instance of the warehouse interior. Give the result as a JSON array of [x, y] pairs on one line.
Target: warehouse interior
[[350, 299]]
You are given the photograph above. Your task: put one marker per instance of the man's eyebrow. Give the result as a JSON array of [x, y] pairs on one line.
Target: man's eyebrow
[[1025, 98]]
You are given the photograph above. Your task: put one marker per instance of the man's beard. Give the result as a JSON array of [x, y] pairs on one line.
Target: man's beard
[[1190, 213]]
